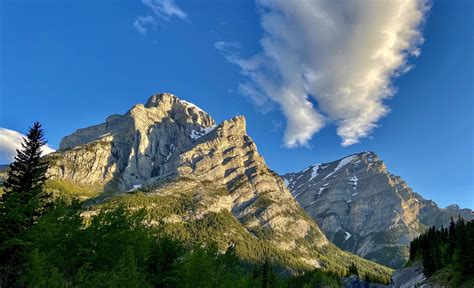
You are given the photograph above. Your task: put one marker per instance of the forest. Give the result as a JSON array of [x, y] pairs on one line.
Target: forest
[[448, 250]]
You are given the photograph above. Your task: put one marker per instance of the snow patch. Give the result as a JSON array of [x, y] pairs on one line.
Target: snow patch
[[296, 195], [354, 180], [314, 171], [348, 235], [172, 148], [286, 182], [341, 164], [198, 134], [189, 104], [135, 187]]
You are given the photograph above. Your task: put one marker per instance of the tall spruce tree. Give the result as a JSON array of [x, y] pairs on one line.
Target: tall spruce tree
[[22, 203]]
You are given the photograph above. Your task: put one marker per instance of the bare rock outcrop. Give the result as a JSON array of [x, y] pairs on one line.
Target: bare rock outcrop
[[364, 209], [167, 139]]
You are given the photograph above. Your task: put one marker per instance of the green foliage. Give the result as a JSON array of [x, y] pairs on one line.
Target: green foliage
[[116, 249], [22, 204], [452, 249], [316, 278], [170, 214], [69, 191]]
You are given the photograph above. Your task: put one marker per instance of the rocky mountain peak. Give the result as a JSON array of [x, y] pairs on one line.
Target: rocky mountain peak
[[170, 104], [160, 98], [171, 141], [127, 150], [365, 209], [162, 109]]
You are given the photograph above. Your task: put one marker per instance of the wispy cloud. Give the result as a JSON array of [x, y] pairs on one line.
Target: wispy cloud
[[165, 9], [162, 10], [10, 141], [344, 56], [142, 23]]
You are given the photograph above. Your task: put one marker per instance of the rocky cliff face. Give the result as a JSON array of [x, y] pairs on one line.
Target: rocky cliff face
[[364, 209], [127, 150], [168, 139]]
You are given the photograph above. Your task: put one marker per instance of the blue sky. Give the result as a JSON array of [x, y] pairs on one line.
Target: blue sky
[[70, 64]]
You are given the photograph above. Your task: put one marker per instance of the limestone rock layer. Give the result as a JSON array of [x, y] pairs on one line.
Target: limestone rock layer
[[364, 209], [168, 139]]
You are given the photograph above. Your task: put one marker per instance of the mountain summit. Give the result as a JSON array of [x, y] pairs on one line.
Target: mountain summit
[[365, 209], [171, 154], [127, 150]]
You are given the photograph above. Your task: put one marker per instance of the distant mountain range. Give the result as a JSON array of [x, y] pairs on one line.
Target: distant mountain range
[[199, 180], [364, 209]]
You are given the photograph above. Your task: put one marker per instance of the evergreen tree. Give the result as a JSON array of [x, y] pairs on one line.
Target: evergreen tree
[[468, 260], [452, 237], [451, 247], [23, 202], [198, 269], [353, 270], [265, 274]]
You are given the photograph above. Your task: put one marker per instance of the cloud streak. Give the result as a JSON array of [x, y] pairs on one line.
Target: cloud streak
[[142, 23], [165, 9], [326, 61], [162, 10], [10, 141]]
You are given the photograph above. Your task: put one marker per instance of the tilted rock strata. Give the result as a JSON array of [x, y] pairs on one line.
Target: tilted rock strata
[[364, 209], [170, 139], [129, 149]]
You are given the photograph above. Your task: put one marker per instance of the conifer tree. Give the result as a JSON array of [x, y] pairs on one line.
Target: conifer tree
[[22, 203], [265, 274], [353, 270], [452, 237]]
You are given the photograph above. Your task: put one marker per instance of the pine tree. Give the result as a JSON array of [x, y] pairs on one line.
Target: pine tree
[[452, 237], [265, 273], [22, 203], [353, 270]]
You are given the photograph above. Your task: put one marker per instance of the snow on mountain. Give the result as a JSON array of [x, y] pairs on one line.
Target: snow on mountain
[[358, 194]]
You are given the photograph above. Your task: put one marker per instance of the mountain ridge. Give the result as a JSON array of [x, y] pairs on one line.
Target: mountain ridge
[[214, 169], [365, 209]]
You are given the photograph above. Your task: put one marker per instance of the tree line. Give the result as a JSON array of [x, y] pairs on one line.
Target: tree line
[[451, 247]]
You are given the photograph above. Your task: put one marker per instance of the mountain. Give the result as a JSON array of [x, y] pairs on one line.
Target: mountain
[[366, 210], [198, 181]]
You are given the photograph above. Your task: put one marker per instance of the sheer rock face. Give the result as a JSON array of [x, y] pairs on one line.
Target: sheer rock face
[[170, 139], [129, 149], [364, 209]]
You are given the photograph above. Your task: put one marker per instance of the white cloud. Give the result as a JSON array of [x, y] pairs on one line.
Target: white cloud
[[165, 9], [10, 141], [343, 55], [162, 9], [142, 22]]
